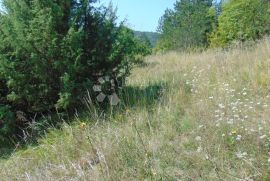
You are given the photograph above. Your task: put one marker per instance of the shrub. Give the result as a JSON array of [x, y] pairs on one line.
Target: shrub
[[241, 20], [6, 122], [51, 52]]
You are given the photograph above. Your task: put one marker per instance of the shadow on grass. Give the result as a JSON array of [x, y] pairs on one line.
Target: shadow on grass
[[29, 136], [145, 97], [131, 97], [6, 151]]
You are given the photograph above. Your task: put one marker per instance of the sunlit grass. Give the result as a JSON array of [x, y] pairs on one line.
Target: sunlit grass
[[183, 116]]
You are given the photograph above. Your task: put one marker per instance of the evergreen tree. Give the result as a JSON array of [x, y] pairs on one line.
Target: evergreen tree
[[167, 26], [52, 51], [187, 25]]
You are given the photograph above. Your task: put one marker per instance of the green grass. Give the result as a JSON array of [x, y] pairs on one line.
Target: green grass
[[189, 116]]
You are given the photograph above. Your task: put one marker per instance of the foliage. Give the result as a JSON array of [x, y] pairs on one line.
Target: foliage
[[51, 52], [185, 116], [144, 46], [145, 40], [241, 20], [186, 26], [6, 122]]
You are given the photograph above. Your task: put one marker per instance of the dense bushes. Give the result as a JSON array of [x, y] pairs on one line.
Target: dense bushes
[[51, 52], [193, 23], [242, 20]]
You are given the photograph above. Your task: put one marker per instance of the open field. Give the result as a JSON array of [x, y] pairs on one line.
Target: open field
[[183, 116]]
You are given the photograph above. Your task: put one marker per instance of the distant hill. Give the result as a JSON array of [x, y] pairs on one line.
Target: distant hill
[[152, 36]]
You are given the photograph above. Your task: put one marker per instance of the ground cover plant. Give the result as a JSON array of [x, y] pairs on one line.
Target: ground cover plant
[[192, 116]]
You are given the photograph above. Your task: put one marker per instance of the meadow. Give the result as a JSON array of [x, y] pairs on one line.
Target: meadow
[[182, 116]]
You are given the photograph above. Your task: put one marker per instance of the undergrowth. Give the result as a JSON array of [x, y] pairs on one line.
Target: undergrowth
[[188, 116]]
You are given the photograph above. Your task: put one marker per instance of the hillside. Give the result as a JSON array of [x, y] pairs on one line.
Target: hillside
[[189, 116], [152, 36]]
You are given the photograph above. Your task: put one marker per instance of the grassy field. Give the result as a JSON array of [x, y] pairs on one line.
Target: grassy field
[[183, 116]]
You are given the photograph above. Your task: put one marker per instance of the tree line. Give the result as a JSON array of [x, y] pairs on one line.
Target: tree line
[[204, 23]]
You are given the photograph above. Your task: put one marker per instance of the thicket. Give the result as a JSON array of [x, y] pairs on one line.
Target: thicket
[[186, 26], [206, 23], [241, 20], [53, 51]]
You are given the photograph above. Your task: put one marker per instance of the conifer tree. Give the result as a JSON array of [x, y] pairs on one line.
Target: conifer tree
[[53, 51]]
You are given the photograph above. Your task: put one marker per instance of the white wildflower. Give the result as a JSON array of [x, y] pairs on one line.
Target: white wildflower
[[221, 106], [263, 136], [198, 138], [241, 154], [201, 126], [238, 138], [199, 149]]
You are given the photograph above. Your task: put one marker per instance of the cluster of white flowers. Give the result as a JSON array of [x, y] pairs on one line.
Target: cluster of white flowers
[[234, 108], [241, 154], [238, 110]]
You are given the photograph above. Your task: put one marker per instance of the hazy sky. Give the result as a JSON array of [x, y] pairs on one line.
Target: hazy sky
[[142, 15]]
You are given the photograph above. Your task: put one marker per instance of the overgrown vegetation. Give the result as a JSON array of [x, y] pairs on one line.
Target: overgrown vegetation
[[53, 52], [200, 24], [194, 115], [186, 26], [241, 20], [185, 116]]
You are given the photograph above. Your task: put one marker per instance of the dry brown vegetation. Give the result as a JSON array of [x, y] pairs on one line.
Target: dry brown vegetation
[[186, 116]]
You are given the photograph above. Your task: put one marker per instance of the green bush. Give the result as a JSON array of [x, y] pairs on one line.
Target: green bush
[[6, 122], [241, 20], [52, 52]]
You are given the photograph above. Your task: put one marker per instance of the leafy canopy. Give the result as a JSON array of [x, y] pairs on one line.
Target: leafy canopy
[[242, 20], [186, 26]]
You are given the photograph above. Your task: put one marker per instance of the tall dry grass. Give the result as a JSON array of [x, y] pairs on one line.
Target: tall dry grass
[[188, 116]]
